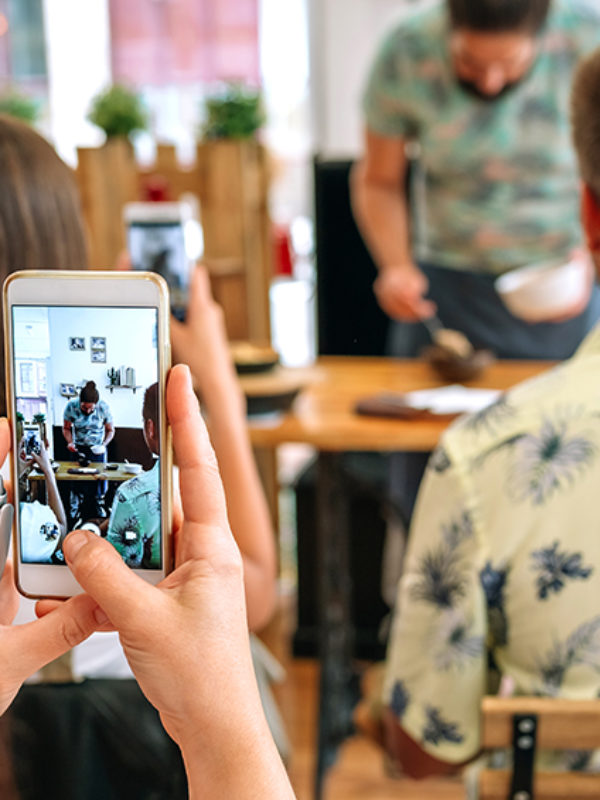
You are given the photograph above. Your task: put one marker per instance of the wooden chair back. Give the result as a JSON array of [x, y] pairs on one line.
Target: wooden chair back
[[527, 724]]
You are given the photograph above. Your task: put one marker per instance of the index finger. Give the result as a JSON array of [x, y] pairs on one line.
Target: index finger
[[202, 495]]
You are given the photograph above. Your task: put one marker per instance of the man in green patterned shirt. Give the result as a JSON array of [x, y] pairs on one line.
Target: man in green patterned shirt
[[504, 553], [480, 89]]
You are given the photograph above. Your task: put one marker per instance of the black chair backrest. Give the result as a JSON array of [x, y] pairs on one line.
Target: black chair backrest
[[349, 321]]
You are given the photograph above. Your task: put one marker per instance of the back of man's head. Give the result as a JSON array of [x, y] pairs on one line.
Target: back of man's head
[[585, 118], [150, 405], [499, 16]]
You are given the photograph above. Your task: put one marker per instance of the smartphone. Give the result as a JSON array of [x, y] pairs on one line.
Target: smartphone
[[158, 241], [87, 330], [32, 441]]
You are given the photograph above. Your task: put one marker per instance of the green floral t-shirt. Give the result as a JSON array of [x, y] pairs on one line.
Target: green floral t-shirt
[[134, 525], [497, 185]]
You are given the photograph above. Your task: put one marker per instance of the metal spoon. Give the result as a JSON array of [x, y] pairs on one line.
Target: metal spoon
[[451, 340]]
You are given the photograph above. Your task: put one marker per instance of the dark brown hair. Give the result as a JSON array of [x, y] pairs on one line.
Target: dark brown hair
[[41, 224], [585, 119], [89, 393], [498, 16], [150, 406]]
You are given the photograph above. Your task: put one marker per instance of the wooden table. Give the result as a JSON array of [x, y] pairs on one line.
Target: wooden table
[[323, 416], [63, 474]]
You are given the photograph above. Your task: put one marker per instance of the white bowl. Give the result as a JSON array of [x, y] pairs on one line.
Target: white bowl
[[543, 292], [132, 469]]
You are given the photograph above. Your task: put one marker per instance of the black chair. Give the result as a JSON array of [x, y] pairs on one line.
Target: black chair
[[349, 323]]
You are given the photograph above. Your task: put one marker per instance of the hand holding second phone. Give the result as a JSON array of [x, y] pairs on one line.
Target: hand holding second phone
[[400, 291], [201, 342]]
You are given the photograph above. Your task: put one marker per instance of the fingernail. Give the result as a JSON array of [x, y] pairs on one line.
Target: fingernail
[[73, 544], [100, 616]]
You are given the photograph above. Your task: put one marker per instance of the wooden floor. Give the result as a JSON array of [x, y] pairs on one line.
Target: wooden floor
[[358, 773]]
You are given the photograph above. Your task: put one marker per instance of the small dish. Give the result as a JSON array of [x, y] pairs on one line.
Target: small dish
[[451, 367], [132, 469], [270, 403], [543, 292], [249, 358], [274, 390]]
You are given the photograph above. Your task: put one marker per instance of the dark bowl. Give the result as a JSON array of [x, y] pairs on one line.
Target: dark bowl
[[270, 403], [451, 367], [250, 367]]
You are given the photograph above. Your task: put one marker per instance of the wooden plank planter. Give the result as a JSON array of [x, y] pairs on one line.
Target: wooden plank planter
[[231, 181]]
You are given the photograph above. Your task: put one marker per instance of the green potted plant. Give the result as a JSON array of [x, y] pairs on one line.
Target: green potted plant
[[107, 175], [233, 183], [19, 105], [40, 420], [20, 419], [119, 111], [235, 112]]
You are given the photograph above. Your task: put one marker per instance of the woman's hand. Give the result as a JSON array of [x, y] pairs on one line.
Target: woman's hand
[[201, 343], [26, 648]]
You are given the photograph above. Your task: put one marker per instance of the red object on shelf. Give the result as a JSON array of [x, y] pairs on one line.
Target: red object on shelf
[[282, 260], [155, 189]]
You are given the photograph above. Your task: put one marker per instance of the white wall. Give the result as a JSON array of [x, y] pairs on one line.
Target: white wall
[[344, 36], [129, 342], [78, 56]]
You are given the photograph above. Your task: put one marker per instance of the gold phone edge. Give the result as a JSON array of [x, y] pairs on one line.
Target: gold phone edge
[[164, 366]]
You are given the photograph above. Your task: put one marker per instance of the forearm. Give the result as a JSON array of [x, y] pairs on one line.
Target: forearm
[[247, 508], [245, 765], [55, 503], [68, 434], [109, 435], [381, 212]]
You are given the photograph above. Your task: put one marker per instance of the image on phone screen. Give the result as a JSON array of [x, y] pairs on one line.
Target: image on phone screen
[[160, 246], [88, 417]]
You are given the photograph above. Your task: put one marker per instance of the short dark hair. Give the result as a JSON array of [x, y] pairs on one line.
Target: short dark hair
[[150, 405], [89, 393], [585, 119], [498, 16]]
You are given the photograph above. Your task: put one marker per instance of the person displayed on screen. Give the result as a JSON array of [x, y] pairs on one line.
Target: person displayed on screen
[[88, 424], [43, 526], [134, 522], [88, 428]]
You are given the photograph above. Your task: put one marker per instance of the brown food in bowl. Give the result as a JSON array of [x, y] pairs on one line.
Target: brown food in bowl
[[451, 367]]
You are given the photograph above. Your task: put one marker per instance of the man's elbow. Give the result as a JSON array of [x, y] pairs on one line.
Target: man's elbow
[[409, 755]]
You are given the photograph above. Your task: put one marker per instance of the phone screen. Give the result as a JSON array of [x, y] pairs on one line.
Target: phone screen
[[88, 412], [161, 247]]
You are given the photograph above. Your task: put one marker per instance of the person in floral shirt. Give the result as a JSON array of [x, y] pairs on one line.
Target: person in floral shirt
[[503, 561], [134, 523]]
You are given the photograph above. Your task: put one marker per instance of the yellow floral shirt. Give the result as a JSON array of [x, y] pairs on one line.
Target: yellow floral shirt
[[503, 561]]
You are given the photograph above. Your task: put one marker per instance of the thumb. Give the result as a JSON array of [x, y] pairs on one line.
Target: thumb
[[101, 573]]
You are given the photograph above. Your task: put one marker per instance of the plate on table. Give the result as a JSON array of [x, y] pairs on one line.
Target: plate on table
[[249, 357], [274, 391], [445, 402]]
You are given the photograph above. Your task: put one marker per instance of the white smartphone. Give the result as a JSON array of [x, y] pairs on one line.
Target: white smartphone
[[158, 240], [107, 465]]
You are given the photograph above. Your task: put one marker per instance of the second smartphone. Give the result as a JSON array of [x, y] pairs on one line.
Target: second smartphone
[[87, 355], [158, 240]]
